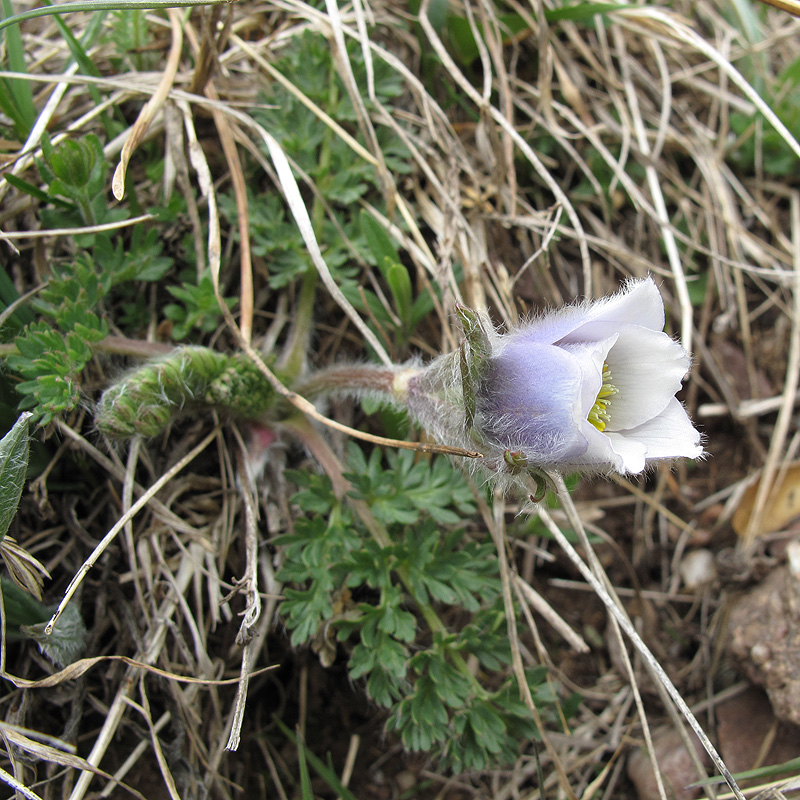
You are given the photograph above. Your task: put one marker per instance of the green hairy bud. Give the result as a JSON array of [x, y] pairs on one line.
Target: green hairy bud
[[146, 400]]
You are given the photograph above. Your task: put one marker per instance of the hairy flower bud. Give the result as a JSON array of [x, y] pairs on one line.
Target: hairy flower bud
[[590, 387], [147, 399]]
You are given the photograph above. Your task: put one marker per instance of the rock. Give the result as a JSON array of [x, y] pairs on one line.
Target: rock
[[744, 725], [675, 763], [765, 640], [698, 568]]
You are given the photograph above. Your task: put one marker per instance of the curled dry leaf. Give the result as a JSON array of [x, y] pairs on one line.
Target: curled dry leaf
[[54, 755], [783, 504], [26, 571]]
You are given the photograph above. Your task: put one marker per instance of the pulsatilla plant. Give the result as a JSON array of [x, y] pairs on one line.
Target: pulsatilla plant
[[589, 388]]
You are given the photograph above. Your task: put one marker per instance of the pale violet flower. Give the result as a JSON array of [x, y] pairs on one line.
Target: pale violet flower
[[590, 387]]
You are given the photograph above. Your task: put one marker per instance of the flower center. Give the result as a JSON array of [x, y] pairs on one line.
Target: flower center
[[599, 416]]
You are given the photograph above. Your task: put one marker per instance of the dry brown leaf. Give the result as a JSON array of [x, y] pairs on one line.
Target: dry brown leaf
[[783, 504], [56, 756], [25, 570], [791, 6], [77, 668], [151, 107]]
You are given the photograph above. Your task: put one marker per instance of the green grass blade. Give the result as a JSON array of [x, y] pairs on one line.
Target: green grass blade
[[90, 6], [305, 777], [16, 97], [79, 54], [318, 765]]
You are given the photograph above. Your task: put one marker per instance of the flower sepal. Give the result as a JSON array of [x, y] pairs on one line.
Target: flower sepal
[[474, 354], [518, 464]]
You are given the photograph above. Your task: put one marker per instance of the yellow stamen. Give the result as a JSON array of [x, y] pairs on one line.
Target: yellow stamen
[[599, 415]]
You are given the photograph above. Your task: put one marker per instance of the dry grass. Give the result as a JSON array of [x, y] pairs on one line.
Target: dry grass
[[638, 106]]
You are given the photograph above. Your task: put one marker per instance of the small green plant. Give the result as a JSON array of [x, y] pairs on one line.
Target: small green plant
[[389, 577], [756, 145], [68, 319], [775, 157], [197, 308], [75, 172], [53, 352], [376, 600]]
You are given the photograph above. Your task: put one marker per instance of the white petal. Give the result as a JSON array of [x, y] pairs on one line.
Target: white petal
[[669, 435], [601, 451], [646, 367], [590, 356], [631, 450], [639, 303]]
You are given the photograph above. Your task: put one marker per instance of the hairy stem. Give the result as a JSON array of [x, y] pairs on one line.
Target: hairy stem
[[351, 379]]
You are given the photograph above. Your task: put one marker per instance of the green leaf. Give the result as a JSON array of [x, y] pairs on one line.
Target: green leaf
[[378, 241], [198, 307], [400, 284], [487, 724], [14, 452], [21, 608], [28, 188], [64, 644], [382, 687], [9, 294], [396, 621], [422, 306], [362, 661], [426, 708]]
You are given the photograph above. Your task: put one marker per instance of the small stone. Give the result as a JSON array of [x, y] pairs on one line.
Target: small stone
[[746, 725], [405, 780], [675, 763], [698, 568]]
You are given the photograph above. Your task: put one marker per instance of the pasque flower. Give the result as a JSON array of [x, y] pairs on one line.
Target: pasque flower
[[590, 387]]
